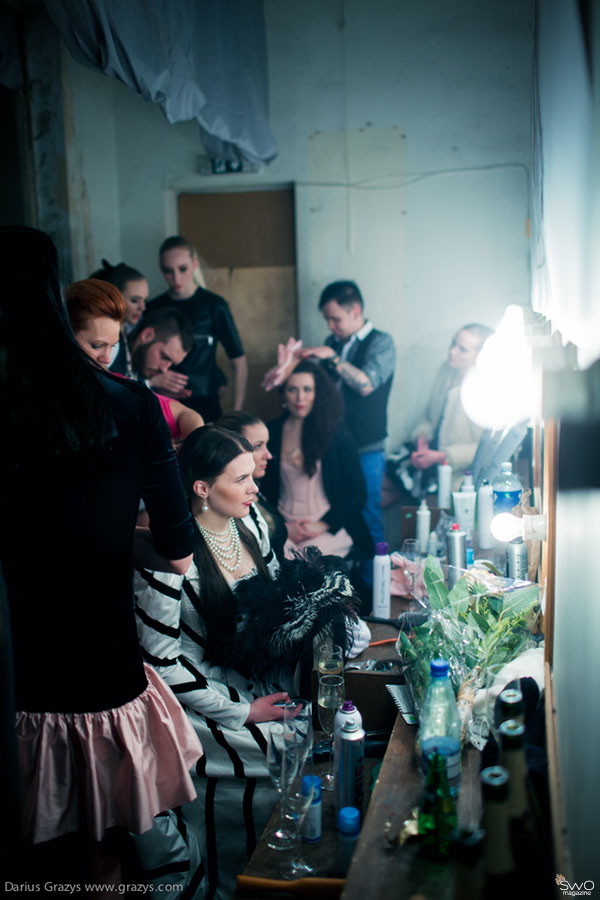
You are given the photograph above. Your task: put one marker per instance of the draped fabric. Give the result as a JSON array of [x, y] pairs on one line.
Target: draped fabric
[[198, 59]]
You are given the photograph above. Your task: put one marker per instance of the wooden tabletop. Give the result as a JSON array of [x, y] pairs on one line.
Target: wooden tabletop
[[378, 871], [381, 871]]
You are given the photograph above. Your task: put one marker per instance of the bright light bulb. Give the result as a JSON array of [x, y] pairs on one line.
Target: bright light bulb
[[506, 527], [501, 389]]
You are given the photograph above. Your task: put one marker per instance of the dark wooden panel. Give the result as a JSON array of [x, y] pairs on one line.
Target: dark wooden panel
[[253, 228], [263, 303]]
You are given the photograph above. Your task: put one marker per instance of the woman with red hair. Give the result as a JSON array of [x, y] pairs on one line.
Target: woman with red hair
[[96, 310]]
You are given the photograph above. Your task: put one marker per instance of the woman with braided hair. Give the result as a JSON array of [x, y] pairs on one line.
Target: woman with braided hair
[[227, 636]]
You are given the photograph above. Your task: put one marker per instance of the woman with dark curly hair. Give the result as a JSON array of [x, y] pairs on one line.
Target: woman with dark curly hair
[[315, 477]]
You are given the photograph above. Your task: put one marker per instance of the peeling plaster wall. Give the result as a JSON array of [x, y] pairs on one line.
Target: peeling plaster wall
[[405, 129], [91, 148]]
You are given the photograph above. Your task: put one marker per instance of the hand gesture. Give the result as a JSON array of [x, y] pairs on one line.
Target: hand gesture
[[424, 459], [263, 709], [172, 384], [287, 355], [319, 352]]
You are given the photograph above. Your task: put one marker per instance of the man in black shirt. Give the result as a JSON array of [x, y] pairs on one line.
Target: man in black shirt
[[197, 380]]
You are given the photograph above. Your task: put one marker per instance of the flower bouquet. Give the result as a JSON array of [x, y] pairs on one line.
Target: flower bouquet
[[484, 621]]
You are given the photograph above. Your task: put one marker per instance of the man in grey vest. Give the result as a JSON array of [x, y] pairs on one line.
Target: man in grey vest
[[362, 360]]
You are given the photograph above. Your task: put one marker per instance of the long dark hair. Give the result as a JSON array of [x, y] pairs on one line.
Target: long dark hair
[[51, 396], [118, 275], [204, 455], [324, 418], [237, 420]]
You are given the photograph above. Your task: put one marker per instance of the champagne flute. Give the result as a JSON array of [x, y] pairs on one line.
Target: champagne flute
[[300, 719], [299, 800], [411, 552], [331, 659], [330, 698], [282, 760]]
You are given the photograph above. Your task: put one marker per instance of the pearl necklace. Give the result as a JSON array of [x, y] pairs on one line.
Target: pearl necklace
[[225, 546]]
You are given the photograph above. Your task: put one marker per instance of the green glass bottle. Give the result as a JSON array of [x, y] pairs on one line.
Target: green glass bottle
[[437, 810]]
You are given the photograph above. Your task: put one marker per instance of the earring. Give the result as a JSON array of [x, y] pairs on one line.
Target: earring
[[204, 507]]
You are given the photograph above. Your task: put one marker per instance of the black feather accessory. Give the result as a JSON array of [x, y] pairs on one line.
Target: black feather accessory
[[278, 619]]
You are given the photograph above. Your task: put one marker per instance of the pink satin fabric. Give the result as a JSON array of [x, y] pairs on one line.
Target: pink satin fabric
[[91, 771]]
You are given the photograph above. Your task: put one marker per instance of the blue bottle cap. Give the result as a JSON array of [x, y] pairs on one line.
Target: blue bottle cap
[[438, 668], [382, 548], [308, 783], [349, 820]]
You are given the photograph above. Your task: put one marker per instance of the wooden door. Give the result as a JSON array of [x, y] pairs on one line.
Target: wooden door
[[247, 247]]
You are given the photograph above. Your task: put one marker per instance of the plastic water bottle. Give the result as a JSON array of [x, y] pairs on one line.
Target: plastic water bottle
[[382, 569], [439, 730], [507, 490]]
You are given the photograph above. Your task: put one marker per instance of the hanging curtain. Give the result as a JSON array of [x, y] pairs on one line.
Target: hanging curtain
[[198, 59]]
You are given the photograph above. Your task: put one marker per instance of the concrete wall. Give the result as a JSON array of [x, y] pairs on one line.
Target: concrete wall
[[405, 130]]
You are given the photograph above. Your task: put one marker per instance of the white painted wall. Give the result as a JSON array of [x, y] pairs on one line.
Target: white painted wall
[[406, 134]]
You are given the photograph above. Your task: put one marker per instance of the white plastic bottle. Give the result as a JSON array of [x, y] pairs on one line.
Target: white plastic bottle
[[423, 525], [445, 485], [432, 544], [464, 505], [311, 827], [382, 568], [485, 514]]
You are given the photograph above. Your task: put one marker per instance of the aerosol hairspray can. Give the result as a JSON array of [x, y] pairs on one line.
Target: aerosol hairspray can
[[346, 713], [516, 559], [456, 540], [348, 784]]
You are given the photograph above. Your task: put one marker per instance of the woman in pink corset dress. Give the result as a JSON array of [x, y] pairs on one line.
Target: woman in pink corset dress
[[315, 478]]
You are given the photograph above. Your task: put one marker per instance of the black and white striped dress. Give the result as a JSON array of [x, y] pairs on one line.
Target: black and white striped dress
[[235, 794]]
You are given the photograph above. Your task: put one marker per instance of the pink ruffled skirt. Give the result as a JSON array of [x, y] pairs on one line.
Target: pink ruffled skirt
[[91, 771]]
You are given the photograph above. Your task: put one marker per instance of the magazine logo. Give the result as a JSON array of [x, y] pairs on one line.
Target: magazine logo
[[582, 889]]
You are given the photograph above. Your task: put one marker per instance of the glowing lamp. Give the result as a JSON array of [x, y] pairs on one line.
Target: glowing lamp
[[506, 527], [501, 389]]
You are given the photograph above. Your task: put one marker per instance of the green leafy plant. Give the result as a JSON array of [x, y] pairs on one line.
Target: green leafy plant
[[483, 621]]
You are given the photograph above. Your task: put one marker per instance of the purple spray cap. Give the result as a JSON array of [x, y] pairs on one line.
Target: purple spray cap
[[382, 548]]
